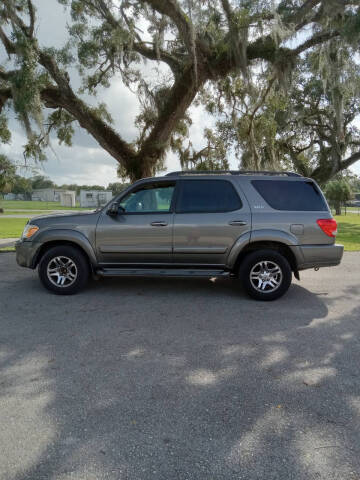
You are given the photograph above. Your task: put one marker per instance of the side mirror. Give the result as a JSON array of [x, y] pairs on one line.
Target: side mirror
[[114, 210]]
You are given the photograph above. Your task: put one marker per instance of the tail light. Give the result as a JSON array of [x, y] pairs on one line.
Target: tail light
[[328, 226]]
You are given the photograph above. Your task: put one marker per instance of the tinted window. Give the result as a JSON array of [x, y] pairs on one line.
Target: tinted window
[[149, 199], [295, 196], [207, 196]]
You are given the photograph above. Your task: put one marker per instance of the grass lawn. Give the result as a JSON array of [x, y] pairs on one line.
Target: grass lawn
[[36, 205], [12, 227], [25, 212], [349, 230]]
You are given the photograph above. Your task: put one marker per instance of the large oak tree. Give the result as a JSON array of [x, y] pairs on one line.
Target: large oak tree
[[197, 42]]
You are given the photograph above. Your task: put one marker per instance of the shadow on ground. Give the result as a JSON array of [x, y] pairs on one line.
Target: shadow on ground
[[178, 379]]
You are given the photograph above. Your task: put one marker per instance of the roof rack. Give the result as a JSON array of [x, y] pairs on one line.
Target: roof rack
[[230, 172]]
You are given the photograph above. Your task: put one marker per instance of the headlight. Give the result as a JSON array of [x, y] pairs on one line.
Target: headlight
[[29, 231]]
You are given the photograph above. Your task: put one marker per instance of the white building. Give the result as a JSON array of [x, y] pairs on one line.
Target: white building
[[94, 198], [14, 196], [46, 195], [66, 198]]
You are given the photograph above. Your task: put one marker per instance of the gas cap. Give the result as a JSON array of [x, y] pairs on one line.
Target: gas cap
[[297, 229]]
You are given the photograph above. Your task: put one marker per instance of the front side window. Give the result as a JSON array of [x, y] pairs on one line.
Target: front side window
[[205, 196], [149, 199]]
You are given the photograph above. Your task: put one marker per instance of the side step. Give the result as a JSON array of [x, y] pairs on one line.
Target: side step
[[160, 272]]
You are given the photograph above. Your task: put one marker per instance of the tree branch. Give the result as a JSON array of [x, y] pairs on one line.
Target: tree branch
[[53, 97], [5, 95], [162, 55], [228, 12], [180, 98], [172, 9], [299, 17], [315, 40], [138, 46], [350, 161], [49, 63], [6, 75], [322, 175], [102, 132], [32, 17], [15, 18], [8, 44]]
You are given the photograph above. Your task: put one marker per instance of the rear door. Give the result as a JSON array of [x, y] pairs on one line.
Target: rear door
[[210, 215], [142, 231]]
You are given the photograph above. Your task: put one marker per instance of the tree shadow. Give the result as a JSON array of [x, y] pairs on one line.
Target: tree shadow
[[181, 379]]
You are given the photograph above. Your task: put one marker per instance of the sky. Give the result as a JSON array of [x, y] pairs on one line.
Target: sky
[[86, 162]]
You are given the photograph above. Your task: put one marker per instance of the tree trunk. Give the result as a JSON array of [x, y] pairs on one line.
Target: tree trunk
[[338, 208]]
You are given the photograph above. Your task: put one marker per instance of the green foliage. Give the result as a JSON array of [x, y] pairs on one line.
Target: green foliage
[[22, 186], [310, 128], [117, 187], [5, 134], [212, 157], [338, 192], [102, 112], [7, 174], [27, 82], [61, 122], [39, 181]]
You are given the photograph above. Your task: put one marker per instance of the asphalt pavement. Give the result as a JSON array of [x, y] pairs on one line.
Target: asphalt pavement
[[144, 379]]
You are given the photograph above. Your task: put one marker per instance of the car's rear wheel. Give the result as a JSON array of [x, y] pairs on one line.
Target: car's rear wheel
[[265, 275], [64, 270]]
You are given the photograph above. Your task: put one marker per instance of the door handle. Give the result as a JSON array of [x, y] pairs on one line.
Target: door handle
[[158, 224], [238, 223]]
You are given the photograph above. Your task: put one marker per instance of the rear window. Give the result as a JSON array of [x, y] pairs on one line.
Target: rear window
[[295, 196], [201, 196]]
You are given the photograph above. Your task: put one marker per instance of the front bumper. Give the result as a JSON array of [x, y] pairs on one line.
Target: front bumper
[[318, 256], [26, 253]]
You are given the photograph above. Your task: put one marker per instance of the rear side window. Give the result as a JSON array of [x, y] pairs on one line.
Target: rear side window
[[295, 196], [201, 196]]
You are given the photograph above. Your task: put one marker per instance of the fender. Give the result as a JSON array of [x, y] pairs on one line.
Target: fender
[[239, 245], [68, 235], [264, 235]]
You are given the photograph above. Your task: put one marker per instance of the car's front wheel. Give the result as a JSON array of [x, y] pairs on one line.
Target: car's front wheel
[[64, 270], [265, 275]]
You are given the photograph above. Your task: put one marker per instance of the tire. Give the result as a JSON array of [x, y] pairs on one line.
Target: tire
[[64, 270], [265, 274]]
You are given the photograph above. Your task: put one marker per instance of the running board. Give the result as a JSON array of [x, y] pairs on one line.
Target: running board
[[160, 272]]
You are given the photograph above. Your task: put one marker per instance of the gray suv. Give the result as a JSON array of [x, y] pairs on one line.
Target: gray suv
[[257, 227]]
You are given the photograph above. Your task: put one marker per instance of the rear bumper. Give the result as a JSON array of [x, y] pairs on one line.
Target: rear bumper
[[318, 256], [26, 253]]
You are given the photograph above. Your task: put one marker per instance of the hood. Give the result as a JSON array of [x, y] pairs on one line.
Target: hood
[[64, 218]]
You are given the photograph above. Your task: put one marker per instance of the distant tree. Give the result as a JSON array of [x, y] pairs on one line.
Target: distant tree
[[92, 187], [338, 192], [39, 181], [7, 174], [23, 186], [354, 182], [72, 186], [117, 187]]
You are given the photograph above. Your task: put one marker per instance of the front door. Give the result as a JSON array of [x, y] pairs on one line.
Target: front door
[[210, 216], [142, 231]]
